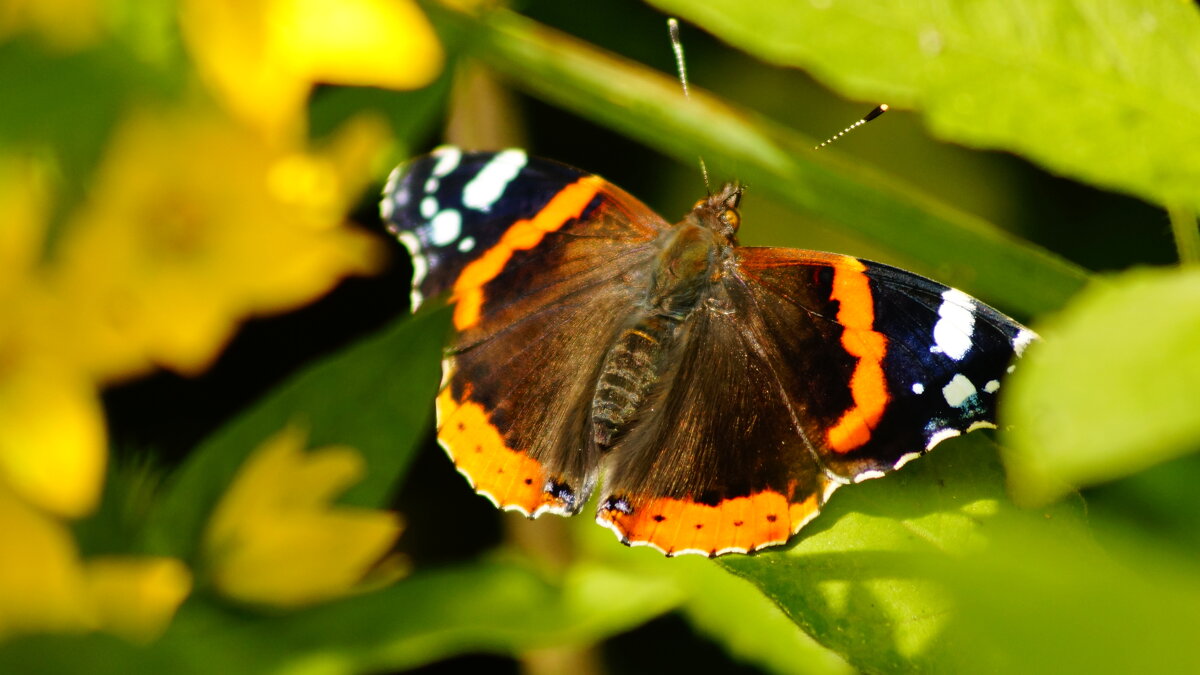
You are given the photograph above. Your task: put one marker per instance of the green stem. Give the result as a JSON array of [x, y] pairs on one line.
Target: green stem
[[1187, 233]]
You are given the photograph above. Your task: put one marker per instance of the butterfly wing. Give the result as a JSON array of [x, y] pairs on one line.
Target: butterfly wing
[[541, 262], [801, 374], [926, 360]]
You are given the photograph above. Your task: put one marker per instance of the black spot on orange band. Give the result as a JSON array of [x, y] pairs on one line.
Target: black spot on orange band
[[511, 479], [738, 525]]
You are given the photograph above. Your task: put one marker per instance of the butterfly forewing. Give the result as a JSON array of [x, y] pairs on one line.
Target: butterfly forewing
[[927, 360], [543, 262]]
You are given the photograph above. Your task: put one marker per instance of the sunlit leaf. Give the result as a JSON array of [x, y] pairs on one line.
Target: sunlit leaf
[[1112, 389], [1107, 92], [863, 579]]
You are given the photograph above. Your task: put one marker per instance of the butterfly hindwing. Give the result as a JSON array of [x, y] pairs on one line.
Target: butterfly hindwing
[[722, 463]]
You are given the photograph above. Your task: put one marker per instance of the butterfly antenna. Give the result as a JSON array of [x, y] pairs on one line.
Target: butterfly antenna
[[681, 66], [879, 110]]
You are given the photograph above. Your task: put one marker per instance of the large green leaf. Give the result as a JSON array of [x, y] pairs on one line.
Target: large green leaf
[[1113, 387], [648, 106], [375, 396], [864, 578], [499, 607], [1049, 600], [1107, 92], [726, 609]]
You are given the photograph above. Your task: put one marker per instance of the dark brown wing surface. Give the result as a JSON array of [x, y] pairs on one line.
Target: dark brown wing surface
[[555, 262]]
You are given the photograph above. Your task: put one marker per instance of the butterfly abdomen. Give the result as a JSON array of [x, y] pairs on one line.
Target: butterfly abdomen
[[638, 357], [631, 366]]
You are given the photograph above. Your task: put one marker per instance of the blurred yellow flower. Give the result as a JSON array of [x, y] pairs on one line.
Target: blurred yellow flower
[[46, 587], [63, 24], [276, 539], [195, 224], [263, 56], [52, 438], [136, 597]]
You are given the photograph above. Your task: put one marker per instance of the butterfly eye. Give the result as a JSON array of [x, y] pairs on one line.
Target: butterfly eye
[[731, 218]]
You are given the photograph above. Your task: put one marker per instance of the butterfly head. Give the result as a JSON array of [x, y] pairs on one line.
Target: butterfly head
[[719, 211]]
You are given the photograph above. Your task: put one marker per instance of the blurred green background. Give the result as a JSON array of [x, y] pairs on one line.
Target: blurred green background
[[198, 289]]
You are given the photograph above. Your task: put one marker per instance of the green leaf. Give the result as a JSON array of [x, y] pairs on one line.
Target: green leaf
[[1042, 600], [375, 396], [497, 607], [863, 580], [731, 612], [647, 105], [1112, 389], [726, 609], [1106, 92], [410, 114], [43, 113]]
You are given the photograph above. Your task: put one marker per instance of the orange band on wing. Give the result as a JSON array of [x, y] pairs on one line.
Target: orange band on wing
[[511, 479], [868, 387], [522, 235], [737, 525]]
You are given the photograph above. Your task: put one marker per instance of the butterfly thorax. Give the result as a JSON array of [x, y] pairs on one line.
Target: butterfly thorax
[[685, 270]]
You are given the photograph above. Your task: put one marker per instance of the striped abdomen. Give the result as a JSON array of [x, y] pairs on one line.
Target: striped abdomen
[[633, 364]]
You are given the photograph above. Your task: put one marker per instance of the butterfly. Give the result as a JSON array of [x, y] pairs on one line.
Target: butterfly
[[722, 391]]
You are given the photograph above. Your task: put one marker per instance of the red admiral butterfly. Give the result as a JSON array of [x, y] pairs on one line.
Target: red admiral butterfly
[[723, 391]]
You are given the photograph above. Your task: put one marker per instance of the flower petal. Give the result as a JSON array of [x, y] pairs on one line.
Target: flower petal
[[136, 597], [263, 56], [41, 582], [52, 437], [275, 538]]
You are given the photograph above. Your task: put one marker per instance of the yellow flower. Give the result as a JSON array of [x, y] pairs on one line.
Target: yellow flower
[[65, 25], [276, 539], [196, 224], [263, 56], [52, 439], [46, 587]]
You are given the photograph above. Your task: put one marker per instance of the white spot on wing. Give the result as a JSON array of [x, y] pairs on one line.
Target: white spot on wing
[[991, 386], [445, 227], [489, 184], [466, 244], [432, 184], [420, 265], [956, 325], [429, 207], [1022, 339], [918, 388], [448, 158], [393, 180], [958, 391]]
